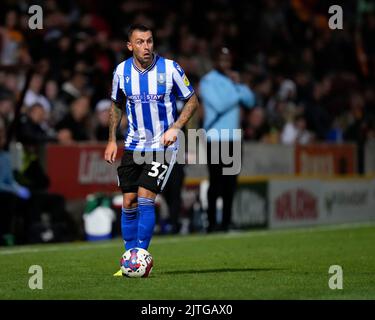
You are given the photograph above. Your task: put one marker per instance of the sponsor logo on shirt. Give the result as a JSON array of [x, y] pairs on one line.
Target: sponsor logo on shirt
[[146, 98]]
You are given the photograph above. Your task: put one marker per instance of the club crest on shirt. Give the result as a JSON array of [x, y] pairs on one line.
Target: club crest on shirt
[[161, 78]]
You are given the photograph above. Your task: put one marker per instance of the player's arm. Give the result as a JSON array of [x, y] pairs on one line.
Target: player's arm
[[115, 115], [187, 112], [184, 91]]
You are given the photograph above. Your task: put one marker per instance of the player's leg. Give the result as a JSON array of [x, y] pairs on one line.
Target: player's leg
[[129, 220], [128, 174], [172, 195], [146, 224], [215, 186], [229, 183], [229, 188], [151, 182], [213, 193]]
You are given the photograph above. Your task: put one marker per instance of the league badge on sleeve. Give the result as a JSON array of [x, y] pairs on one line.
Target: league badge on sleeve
[[186, 80]]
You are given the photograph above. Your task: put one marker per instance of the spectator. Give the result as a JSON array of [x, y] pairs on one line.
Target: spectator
[[102, 116], [74, 88], [317, 116], [7, 109], [222, 111], [256, 128], [48, 210], [59, 109], [43, 205], [77, 121], [296, 132], [33, 128], [14, 198], [33, 94], [357, 129], [102, 121], [12, 50]]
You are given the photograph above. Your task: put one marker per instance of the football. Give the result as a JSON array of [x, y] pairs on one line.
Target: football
[[136, 263]]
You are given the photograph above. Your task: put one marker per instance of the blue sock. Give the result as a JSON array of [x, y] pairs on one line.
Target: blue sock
[[146, 223], [129, 227]]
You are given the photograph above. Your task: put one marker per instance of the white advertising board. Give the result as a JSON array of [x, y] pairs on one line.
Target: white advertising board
[[347, 200]]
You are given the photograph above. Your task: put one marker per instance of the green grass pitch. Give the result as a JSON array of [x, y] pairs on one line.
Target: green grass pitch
[[281, 264]]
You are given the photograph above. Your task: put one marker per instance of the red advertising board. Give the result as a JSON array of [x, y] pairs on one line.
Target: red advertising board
[[325, 159], [80, 169], [296, 204]]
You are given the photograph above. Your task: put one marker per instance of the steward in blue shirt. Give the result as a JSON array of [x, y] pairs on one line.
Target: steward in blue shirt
[[222, 95]]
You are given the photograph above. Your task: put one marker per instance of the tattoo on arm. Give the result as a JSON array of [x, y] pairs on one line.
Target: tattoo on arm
[[187, 112], [115, 115]]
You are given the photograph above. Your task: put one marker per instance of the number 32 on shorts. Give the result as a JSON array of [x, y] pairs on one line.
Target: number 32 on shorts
[[155, 170]]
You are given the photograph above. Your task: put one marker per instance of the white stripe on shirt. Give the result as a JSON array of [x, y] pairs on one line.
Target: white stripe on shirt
[[138, 107], [153, 89]]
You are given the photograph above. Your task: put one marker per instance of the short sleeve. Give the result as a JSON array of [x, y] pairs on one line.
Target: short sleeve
[[117, 94], [181, 84]]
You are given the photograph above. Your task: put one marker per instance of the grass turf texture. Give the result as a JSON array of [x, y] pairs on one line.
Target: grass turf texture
[[282, 264]]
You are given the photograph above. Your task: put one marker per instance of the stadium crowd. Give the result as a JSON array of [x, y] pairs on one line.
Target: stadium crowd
[[310, 82]]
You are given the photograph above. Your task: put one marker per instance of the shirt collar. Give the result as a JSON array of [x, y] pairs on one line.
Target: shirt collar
[[148, 68]]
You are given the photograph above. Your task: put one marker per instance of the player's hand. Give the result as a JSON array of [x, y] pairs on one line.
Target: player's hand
[[169, 136], [110, 152], [234, 76]]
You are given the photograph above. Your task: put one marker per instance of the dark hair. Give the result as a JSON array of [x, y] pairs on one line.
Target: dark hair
[[139, 27]]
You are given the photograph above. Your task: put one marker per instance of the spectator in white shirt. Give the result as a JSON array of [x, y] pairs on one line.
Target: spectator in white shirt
[[33, 95], [296, 132]]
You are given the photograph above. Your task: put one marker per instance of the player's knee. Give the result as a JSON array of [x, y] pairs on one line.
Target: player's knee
[[129, 203], [145, 193]]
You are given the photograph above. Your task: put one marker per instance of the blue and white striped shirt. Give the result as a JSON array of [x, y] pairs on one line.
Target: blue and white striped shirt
[[150, 100]]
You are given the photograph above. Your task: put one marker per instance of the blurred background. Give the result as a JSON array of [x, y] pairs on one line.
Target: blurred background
[[308, 153]]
